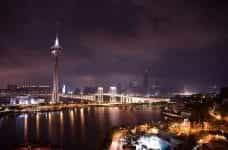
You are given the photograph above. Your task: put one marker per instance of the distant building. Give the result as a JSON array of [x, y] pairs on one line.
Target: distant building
[[34, 89], [213, 91], [89, 90], [25, 100], [224, 94], [133, 88], [146, 81], [119, 88], [155, 89], [12, 87], [77, 91], [26, 89]]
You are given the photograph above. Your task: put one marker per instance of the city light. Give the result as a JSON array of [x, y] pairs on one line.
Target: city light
[[64, 89], [132, 75], [210, 137], [149, 142]]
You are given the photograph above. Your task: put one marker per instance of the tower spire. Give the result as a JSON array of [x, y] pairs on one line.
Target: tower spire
[[57, 44], [57, 40]]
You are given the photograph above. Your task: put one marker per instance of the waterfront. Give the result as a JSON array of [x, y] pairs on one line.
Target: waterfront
[[76, 128]]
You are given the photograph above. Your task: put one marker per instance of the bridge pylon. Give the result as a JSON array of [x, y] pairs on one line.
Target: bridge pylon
[[100, 94]]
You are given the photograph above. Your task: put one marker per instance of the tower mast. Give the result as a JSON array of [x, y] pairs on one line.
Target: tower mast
[[56, 50]]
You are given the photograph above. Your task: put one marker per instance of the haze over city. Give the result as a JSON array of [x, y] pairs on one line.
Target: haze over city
[[112, 41]]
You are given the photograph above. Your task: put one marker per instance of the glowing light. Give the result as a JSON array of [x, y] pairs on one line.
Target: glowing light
[[64, 89], [57, 42], [26, 127], [210, 137], [100, 89], [37, 126], [151, 142], [113, 90], [216, 116], [61, 123], [153, 130], [50, 125], [116, 140], [82, 117], [187, 93], [72, 119]]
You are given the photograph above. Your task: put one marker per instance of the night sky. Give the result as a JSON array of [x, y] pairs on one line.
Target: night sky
[[184, 42]]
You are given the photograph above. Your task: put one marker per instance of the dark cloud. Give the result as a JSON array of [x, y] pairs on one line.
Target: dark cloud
[[110, 41]]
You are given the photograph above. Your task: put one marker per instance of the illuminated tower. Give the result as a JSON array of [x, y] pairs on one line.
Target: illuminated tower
[[56, 50], [146, 81], [100, 92], [113, 92]]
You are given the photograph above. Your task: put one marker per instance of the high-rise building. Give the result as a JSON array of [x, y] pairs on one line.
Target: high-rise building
[[146, 81], [224, 94], [56, 50], [26, 90]]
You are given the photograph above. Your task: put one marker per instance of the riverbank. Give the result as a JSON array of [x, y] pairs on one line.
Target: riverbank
[[62, 106]]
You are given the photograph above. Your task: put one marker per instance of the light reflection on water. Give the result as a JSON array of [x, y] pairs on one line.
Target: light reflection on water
[[61, 124], [37, 126], [50, 126], [1, 120], [26, 128], [84, 128]]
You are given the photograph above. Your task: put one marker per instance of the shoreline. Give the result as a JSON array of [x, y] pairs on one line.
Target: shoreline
[[58, 107]]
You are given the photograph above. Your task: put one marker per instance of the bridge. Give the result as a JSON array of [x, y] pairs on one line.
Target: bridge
[[116, 98], [100, 97]]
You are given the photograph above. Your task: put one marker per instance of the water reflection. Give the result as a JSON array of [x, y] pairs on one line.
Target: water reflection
[[82, 117], [26, 128], [100, 115], [114, 115], [37, 126], [61, 124], [71, 119], [1, 120], [72, 126], [82, 123], [50, 126], [82, 128]]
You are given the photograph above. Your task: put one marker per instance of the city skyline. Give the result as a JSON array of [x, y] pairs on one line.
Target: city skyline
[[114, 74], [183, 43]]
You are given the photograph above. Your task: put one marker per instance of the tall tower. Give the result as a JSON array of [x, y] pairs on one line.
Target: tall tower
[[146, 81], [56, 50]]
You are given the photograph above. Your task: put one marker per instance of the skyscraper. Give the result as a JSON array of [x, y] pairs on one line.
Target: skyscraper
[[56, 50], [146, 81]]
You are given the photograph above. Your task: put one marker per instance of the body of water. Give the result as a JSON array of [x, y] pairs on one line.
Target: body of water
[[79, 128]]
